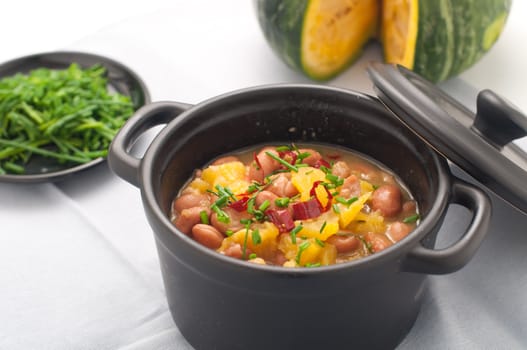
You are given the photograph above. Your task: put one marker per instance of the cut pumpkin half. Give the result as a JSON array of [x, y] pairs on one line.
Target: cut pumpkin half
[[334, 33], [399, 31]]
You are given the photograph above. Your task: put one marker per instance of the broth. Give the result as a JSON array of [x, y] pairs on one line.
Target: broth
[[295, 205]]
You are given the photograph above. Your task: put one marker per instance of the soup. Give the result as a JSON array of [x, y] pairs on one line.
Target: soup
[[295, 206]]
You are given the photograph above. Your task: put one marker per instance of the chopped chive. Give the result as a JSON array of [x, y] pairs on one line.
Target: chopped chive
[[204, 217], [411, 219], [283, 162], [294, 232], [303, 246], [323, 227], [253, 187], [326, 170], [264, 205], [334, 179], [282, 202], [250, 205], [246, 222], [345, 201], [252, 256], [319, 242], [367, 245], [313, 264], [303, 155], [255, 235], [229, 233], [222, 216], [336, 208], [282, 148]]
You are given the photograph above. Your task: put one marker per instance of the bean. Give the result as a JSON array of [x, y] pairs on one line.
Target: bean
[[350, 188], [207, 235], [223, 160], [344, 244], [236, 251], [190, 200], [279, 259], [313, 157], [409, 208], [282, 186], [266, 165], [234, 223], [398, 230], [341, 169], [378, 241], [188, 218], [387, 199]]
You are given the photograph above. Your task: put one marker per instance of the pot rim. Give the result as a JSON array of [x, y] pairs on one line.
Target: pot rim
[[401, 248]]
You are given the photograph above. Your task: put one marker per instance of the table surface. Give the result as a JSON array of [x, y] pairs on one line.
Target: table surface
[[77, 258]]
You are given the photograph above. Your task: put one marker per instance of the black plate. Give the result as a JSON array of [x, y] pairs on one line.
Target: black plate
[[120, 78]]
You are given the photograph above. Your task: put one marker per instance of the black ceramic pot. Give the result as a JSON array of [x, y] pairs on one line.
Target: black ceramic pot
[[219, 302]]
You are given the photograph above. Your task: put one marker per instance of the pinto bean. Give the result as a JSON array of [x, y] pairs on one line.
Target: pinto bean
[[234, 223], [313, 157], [266, 195], [223, 160], [387, 199], [341, 169], [188, 218], [190, 200], [236, 251], [398, 230], [266, 165], [344, 244], [279, 259], [378, 241], [409, 207], [207, 235], [350, 188], [282, 186]]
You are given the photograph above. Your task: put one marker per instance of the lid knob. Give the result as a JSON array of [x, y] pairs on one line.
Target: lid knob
[[497, 120]]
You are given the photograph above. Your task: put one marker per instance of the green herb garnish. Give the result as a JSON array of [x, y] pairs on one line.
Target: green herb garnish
[[411, 219], [255, 235], [282, 202], [204, 217], [294, 232], [283, 162], [345, 201], [67, 115], [303, 246]]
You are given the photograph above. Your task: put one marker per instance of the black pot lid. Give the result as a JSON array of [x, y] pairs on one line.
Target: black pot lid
[[480, 144]]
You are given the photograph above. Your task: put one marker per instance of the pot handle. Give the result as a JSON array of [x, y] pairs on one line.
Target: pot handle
[[451, 259], [120, 160]]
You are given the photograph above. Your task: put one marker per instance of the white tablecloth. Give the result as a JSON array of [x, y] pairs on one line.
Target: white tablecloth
[[77, 258]]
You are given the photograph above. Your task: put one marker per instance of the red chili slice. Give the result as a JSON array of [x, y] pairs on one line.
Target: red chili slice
[[307, 210], [240, 205], [313, 192], [321, 162], [282, 219], [288, 156]]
